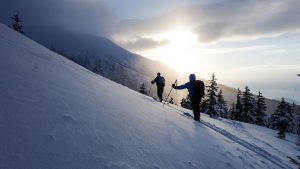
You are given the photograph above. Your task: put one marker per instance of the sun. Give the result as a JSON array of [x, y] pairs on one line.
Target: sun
[[183, 51], [180, 52]]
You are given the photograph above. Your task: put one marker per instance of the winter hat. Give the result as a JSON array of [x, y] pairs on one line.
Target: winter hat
[[158, 74], [192, 77]]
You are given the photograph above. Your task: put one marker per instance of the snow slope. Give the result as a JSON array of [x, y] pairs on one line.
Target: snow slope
[[56, 114]]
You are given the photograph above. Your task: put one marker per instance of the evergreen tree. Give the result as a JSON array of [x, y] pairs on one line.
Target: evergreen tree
[[212, 98], [203, 106], [297, 121], [248, 110], [183, 103], [295, 116], [17, 23], [171, 101], [293, 122], [186, 103], [281, 119], [98, 68], [143, 89], [260, 110], [232, 112], [222, 107], [80, 60], [86, 63], [238, 106]]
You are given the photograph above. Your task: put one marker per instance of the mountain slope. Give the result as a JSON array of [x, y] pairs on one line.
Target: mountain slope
[[56, 114], [103, 57], [95, 52]]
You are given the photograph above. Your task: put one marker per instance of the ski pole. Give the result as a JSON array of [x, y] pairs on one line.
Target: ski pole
[[169, 93]]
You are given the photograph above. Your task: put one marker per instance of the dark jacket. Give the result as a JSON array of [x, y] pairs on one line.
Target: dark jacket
[[189, 86], [156, 80]]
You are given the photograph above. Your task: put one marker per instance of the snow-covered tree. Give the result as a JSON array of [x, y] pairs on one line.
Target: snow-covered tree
[[17, 23], [222, 107], [297, 121], [281, 119], [232, 112], [248, 111], [186, 103], [143, 89], [98, 67], [183, 103], [171, 101], [87, 63], [203, 106], [238, 106], [260, 110], [212, 90]]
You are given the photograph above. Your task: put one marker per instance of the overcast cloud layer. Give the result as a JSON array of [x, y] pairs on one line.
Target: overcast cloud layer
[[230, 19], [223, 20], [89, 16]]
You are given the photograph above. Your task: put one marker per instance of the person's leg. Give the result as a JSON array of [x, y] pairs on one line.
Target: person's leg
[[159, 92], [198, 101], [196, 109], [162, 91]]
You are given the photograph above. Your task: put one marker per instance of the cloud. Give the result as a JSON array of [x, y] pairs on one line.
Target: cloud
[[140, 43], [273, 76], [222, 20], [229, 19], [90, 16]]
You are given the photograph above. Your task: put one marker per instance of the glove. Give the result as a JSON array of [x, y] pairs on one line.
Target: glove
[[152, 82], [173, 86]]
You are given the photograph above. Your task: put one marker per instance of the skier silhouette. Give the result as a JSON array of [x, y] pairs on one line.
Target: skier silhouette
[[196, 92], [160, 83]]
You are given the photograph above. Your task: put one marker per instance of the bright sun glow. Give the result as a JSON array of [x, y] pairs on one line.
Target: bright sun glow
[[181, 52]]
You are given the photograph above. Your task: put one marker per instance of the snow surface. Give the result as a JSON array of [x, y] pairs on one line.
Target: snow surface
[[56, 114]]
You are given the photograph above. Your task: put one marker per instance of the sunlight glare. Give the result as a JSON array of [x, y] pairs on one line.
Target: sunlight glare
[[179, 52]]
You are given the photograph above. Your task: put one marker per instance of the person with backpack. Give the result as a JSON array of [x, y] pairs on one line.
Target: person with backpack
[[160, 83], [196, 90]]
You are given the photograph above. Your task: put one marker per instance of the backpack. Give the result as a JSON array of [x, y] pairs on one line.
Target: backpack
[[161, 81], [199, 88]]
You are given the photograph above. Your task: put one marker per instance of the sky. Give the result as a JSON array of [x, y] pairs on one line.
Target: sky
[[244, 42]]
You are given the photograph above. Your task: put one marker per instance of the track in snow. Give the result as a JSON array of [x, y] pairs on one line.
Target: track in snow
[[249, 146]]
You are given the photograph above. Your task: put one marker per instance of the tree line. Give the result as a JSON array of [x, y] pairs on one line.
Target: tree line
[[248, 108]]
